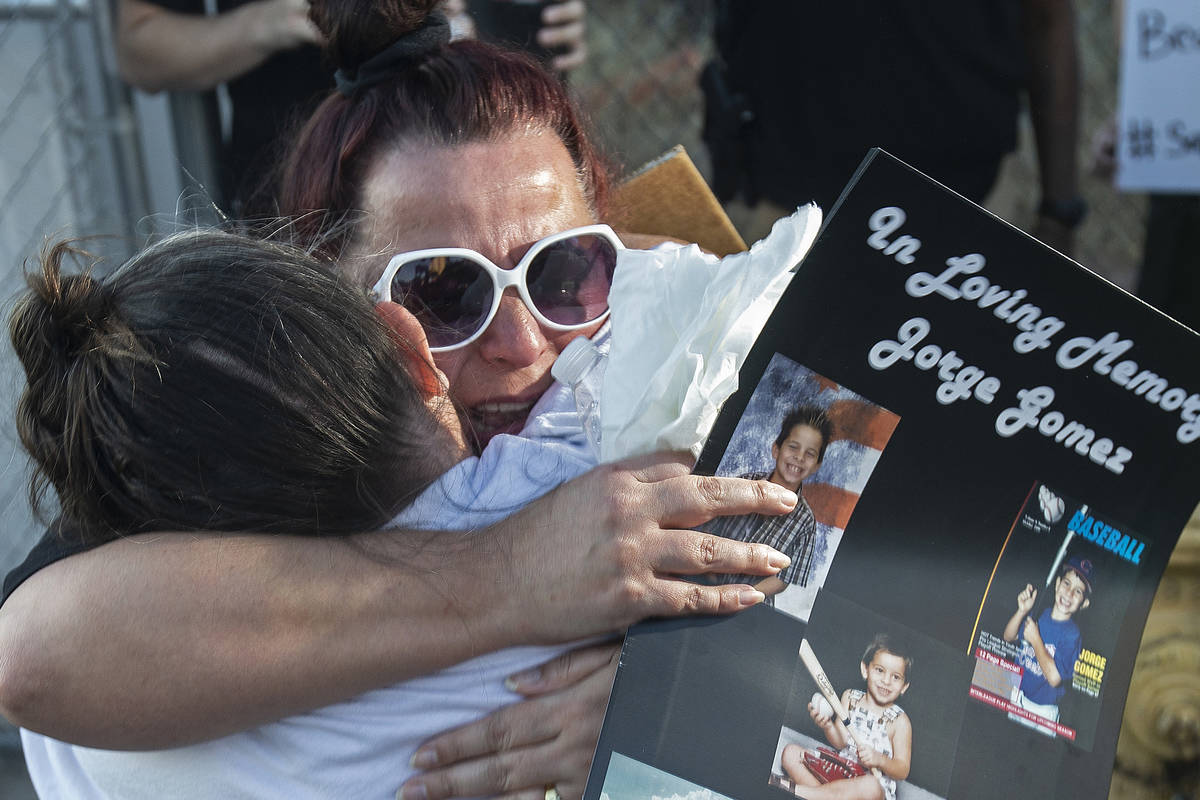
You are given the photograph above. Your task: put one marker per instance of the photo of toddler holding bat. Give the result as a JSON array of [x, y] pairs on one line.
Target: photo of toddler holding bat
[[866, 727]]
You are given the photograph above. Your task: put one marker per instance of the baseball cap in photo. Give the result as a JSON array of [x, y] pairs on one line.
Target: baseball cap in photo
[[1084, 568]]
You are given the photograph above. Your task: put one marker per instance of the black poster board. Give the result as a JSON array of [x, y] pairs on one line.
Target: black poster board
[[1046, 419]]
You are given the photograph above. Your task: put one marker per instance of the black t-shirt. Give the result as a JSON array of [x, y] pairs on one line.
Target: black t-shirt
[[58, 542], [267, 101], [935, 82]]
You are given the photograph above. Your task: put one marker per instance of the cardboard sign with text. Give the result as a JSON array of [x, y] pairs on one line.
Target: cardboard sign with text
[[1158, 125]]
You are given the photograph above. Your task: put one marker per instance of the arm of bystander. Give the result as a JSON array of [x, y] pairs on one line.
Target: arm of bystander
[[160, 49]]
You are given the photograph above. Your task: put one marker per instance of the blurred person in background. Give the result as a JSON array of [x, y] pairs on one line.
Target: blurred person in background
[[1170, 276], [799, 92], [267, 53]]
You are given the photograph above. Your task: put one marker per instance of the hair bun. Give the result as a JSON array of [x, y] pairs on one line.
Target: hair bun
[[55, 328], [355, 30], [64, 312]]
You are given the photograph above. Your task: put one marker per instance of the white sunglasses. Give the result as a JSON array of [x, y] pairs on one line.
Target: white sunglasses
[[454, 292]]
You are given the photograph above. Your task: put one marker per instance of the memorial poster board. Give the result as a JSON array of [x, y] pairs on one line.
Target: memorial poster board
[[1013, 457]]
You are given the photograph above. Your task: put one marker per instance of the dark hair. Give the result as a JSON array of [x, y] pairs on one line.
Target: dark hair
[[883, 643], [464, 91], [812, 416], [217, 382]]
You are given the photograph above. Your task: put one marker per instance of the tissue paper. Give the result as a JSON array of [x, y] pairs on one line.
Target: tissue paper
[[683, 322]]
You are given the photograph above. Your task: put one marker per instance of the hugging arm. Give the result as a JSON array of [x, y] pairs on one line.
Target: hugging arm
[[162, 640]]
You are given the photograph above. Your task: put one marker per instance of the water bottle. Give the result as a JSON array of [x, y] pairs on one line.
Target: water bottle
[[581, 367]]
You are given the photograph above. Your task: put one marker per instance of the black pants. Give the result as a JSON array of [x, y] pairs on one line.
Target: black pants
[[1170, 278]]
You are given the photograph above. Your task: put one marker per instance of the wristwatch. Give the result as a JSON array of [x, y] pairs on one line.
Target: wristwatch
[[1068, 212]]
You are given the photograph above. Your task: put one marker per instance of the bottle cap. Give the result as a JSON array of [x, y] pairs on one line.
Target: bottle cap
[[574, 360]]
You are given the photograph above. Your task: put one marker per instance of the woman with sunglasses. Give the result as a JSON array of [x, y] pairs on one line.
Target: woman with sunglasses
[[167, 640], [215, 347]]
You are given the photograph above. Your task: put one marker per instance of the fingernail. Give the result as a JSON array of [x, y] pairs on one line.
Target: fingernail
[[782, 494], [523, 680], [424, 758], [412, 791], [778, 560], [749, 598]]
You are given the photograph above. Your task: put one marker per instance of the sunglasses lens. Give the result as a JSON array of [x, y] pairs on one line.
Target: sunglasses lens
[[569, 280], [449, 295]]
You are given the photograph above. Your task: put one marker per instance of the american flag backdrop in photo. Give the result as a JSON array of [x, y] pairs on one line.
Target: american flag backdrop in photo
[[861, 430]]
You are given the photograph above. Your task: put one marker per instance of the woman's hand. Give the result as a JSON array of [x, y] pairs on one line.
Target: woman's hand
[[517, 751], [612, 546]]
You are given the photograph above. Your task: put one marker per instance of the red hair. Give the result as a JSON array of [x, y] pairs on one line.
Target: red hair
[[461, 92]]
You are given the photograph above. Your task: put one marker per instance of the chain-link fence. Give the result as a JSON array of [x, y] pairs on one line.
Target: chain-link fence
[[68, 167], [68, 162], [640, 83]]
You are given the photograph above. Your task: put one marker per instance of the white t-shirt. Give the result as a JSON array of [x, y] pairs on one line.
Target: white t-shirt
[[359, 748]]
